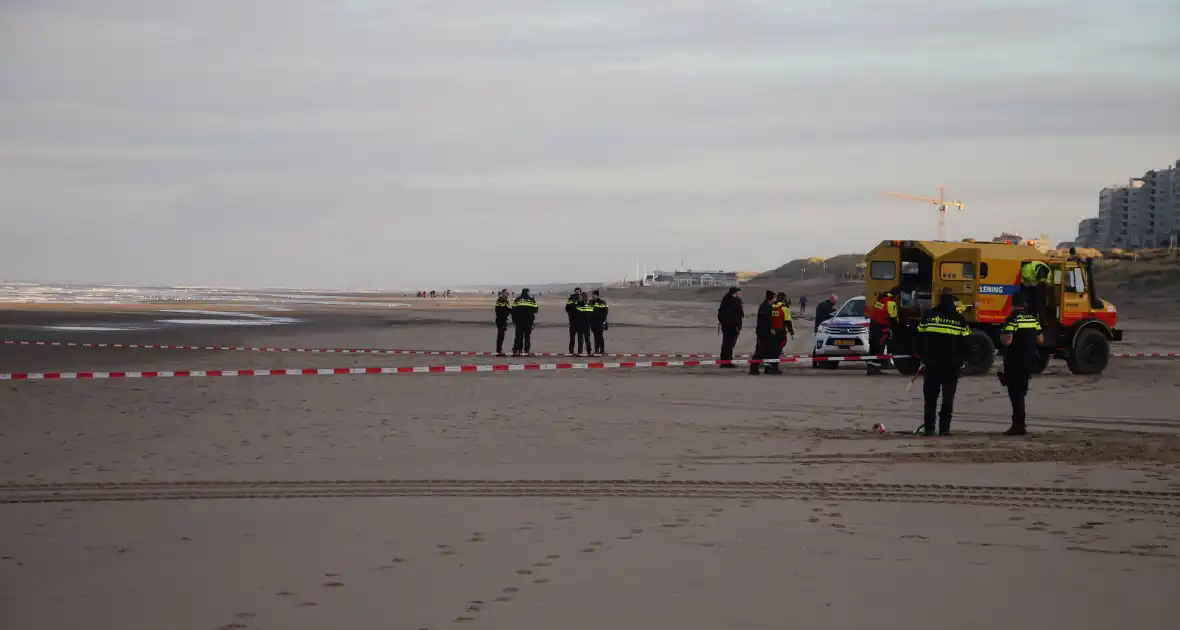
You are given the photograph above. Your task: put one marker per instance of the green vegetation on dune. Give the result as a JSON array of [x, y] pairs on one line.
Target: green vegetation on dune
[[844, 266]]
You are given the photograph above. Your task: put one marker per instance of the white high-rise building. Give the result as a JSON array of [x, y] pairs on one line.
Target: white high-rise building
[[1143, 214]]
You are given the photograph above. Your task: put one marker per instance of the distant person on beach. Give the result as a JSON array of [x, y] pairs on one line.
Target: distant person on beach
[[802, 304], [524, 318], [766, 346], [598, 323], [729, 323], [503, 314], [571, 313], [584, 313]]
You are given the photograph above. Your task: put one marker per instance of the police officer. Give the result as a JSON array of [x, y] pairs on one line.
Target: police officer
[[767, 344], [1020, 338], [598, 322], [882, 316], [503, 314], [524, 317], [571, 312], [583, 313], [943, 348], [1034, 275]]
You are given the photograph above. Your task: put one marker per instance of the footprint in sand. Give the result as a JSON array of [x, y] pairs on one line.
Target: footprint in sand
[[332, 584]]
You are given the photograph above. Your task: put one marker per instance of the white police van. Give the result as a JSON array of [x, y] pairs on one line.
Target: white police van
[[845, 333]]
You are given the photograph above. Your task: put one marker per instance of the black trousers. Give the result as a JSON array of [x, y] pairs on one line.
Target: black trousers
[[877, 335], [729, 338], [766, 348], [944, 380], [1017, 390], [524, 338], [599, 339], [501, 328], [584, 344], [575, 327]]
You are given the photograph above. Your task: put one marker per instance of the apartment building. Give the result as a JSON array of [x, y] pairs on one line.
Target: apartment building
[[1144, 213]]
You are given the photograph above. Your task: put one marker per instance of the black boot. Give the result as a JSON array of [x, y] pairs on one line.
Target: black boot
[[928, 430], [1016, 430]]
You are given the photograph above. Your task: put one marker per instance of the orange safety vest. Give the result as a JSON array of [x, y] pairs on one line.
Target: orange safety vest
[[777, 320], [881, 311]]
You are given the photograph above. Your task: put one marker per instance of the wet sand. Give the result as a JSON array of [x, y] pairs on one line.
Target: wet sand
[[662, 498]]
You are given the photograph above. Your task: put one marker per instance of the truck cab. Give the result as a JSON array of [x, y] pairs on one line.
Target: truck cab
[[1078, 326]]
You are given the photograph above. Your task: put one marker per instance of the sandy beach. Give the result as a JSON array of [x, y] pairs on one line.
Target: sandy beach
[[660, 498]]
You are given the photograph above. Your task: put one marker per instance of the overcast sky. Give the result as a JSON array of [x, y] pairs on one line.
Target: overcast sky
[[407, 143]]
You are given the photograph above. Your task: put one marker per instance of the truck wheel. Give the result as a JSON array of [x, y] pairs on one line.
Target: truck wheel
[[981, 355], [1042, 362], [1090, 352]]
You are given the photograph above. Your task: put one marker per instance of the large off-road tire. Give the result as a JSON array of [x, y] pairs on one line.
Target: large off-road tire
[[1090, 352], [981, 355]]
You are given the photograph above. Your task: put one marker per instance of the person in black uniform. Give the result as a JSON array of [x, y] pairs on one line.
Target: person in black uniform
[[1020, 338], [571, 313], [503, 314], [524, 317], [598, 322], [583, 313], [767, 342], [942, 346], [729, 323]]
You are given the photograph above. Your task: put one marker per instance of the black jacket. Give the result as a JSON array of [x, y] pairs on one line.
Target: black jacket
[[524, 311], [764, 319], [730, 314], [942, 337], [503, 310], [823, 311], [571, 307], [1021, 355], [582, 314], [601, 310]]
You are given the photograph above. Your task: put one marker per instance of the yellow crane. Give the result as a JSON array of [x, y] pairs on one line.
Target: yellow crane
[[941, 202]]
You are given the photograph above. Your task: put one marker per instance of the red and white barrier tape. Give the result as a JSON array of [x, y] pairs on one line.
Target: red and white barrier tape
[[437, 353], [433, 369]]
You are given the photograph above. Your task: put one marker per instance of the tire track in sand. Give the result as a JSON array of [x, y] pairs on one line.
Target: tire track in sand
[[1110, 500]]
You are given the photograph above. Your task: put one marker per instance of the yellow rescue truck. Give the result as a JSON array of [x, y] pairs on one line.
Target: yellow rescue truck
[[984, 276]]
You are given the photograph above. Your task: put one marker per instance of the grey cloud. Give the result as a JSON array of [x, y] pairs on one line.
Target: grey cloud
[[300, 126]]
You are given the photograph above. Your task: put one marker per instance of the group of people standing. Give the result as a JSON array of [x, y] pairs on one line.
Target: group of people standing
[[587, 315], [944, 348], [773, 329]]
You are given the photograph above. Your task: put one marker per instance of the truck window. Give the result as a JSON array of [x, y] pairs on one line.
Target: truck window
[[882, 270], [982, 270], [909, 268], [957, 271], [1075, 281]]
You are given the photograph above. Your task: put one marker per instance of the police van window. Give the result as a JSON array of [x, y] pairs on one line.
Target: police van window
[[852, 308], [882, 270]]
